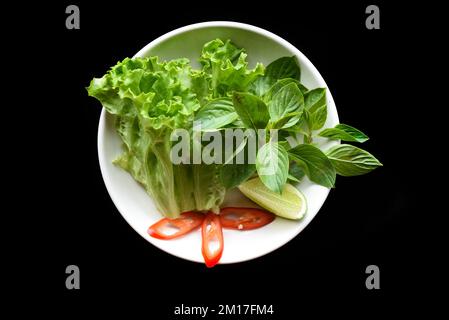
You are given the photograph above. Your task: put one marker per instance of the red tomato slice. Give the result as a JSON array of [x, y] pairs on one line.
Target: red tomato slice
[[167, 229], [212, 238], [244, 218]]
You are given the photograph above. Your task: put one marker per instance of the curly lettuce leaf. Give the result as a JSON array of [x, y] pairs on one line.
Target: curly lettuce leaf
[[149, 99], [227, 67]]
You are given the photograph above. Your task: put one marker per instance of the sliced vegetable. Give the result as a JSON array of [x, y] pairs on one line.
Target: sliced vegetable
[[244, 218], [166, 229], [212, 239], [291, 204]]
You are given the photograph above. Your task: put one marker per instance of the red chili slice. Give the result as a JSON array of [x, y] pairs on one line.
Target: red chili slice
[[212, 238], [167, 229], [244, 218]]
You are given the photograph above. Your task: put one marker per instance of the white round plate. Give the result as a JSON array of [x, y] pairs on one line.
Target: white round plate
[[138, 208]]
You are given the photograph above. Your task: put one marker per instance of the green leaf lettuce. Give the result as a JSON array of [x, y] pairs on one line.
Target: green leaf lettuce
[[149, 99]]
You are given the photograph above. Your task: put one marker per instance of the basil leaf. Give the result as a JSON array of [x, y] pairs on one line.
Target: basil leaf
[[293, 120], [295, 173], [301, 87], [288, 99], [315, 164], [308, 121], [284, 144], [314, 99], [318, 118], [285, 67], [352, 161], [237, 123], [292, 178], [344, 132], [315, 120], [252, 110], [288, 120], [260, 86], [291, 137], [281, 83], [272, 166], [216, 114]]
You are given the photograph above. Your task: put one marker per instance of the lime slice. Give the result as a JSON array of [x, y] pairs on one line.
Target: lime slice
[[291, 204]]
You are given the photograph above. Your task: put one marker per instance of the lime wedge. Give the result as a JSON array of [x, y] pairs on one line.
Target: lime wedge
[[291, 204]]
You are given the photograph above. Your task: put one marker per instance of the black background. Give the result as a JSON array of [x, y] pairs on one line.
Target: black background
[[372, 219]]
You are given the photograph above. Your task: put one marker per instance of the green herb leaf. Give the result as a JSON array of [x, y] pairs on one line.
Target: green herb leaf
[[280, 84], [288, 120], [352, 161], [252, 110], [216, 114], [285, 67], [318, 118], [344, 132], [272, 166], [315, 113], [237, 124], [295, 172], [315, 164], [301, 128], [287, 100], [314, 99]]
